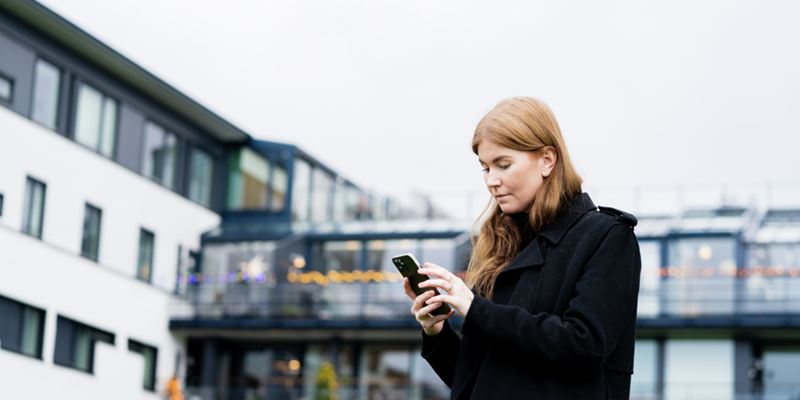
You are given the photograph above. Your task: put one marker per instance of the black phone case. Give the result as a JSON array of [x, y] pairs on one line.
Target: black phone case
[[409, 269]]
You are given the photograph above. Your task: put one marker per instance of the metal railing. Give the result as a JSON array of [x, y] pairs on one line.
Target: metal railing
[[386, 300]]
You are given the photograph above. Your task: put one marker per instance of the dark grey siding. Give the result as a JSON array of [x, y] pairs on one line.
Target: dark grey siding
[[129, 143], [16, 62]]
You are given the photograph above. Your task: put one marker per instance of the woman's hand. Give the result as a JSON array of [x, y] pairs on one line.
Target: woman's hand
[[453, 290], [432, 325]]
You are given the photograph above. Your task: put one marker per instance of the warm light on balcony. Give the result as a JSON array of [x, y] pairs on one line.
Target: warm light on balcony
[[298, 261], [704, 252]]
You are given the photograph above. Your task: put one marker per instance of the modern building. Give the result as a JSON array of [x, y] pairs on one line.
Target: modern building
[[108, 179], [141, 236]]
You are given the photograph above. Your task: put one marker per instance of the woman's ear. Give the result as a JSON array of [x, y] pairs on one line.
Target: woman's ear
[[547, 162]]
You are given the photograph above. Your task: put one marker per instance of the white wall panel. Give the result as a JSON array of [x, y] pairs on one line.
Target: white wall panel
[[51, 274]]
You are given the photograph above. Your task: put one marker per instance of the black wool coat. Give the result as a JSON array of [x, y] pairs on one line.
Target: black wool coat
[[561, 323]]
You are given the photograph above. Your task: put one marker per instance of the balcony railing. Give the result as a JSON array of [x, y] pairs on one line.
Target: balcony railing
[[684, 298]]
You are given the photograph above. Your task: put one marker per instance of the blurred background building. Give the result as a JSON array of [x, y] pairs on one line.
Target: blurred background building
[[142, 235]]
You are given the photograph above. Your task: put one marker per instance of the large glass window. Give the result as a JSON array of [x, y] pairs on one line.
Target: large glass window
[[6, 89], [144, 265], [699, 369], [780, 372], [21, 327], [249, 173], [385, 372], [321, 196], [200, 177], [160, 154], [644, 382], [701, 276], [96, 120], [90, 242], [75, 343], [329, 371], [46, 82], [150, 354], [301, 190], [383, 298], [337, 256], [771, 284], [33, 214], [279, 186], [352, 195], [339, 201], [649, 299]]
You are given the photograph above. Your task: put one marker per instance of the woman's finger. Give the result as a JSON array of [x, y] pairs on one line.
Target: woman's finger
[[407, 288], [437, 283], [443, 298], [419, 302], [429, 308], [436, 319]]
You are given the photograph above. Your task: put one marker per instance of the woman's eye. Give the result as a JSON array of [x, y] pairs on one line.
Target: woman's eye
[[485, 170], [504, 166]]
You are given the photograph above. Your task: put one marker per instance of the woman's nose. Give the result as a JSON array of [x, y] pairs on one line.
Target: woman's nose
[[492, 181]]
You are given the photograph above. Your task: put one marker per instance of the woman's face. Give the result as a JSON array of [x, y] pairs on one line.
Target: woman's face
[[514, 177]]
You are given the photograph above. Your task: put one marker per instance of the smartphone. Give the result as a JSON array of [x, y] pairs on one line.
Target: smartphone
[[409, 268]]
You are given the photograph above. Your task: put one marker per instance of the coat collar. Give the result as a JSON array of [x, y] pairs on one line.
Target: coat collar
[[568, 215], [531, 255]]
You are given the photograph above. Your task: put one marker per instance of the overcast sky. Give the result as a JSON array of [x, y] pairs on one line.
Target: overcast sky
[[389, 92]]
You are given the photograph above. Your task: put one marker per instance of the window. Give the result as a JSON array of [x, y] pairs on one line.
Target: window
[[160, 155], [650, 281], [150, 355], [248, 180], [386, 370], [96, 120], [200, 177], [337, 256], [21, 328], [75, 344], [703, 277], [699, 369], [6, 89], [46, 83], [1, 204], [90, 243], [301, 190], [321, 196], [279, 185], [644, 381], [144, 266], [33, 214]]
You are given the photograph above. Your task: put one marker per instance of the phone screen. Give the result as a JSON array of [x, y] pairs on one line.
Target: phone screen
[[409, 268]]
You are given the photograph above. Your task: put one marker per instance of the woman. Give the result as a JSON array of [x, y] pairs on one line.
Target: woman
[[549, 302]]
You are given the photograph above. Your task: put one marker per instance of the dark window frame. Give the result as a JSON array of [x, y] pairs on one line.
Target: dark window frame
[[84, 253], [95, 335], [79, 81], [59, 95], [193, 149], [39, 334], [166, 134], [26, 224], [10, 99], [139, 348], [142, 234]]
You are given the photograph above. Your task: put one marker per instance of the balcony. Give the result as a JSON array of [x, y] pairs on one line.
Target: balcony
[[676, 302]]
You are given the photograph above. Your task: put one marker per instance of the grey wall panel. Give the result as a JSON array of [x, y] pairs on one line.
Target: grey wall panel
[[16, 62], [130, 139]]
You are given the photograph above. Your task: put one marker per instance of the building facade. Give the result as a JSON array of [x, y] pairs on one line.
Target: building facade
[[142, 236]]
